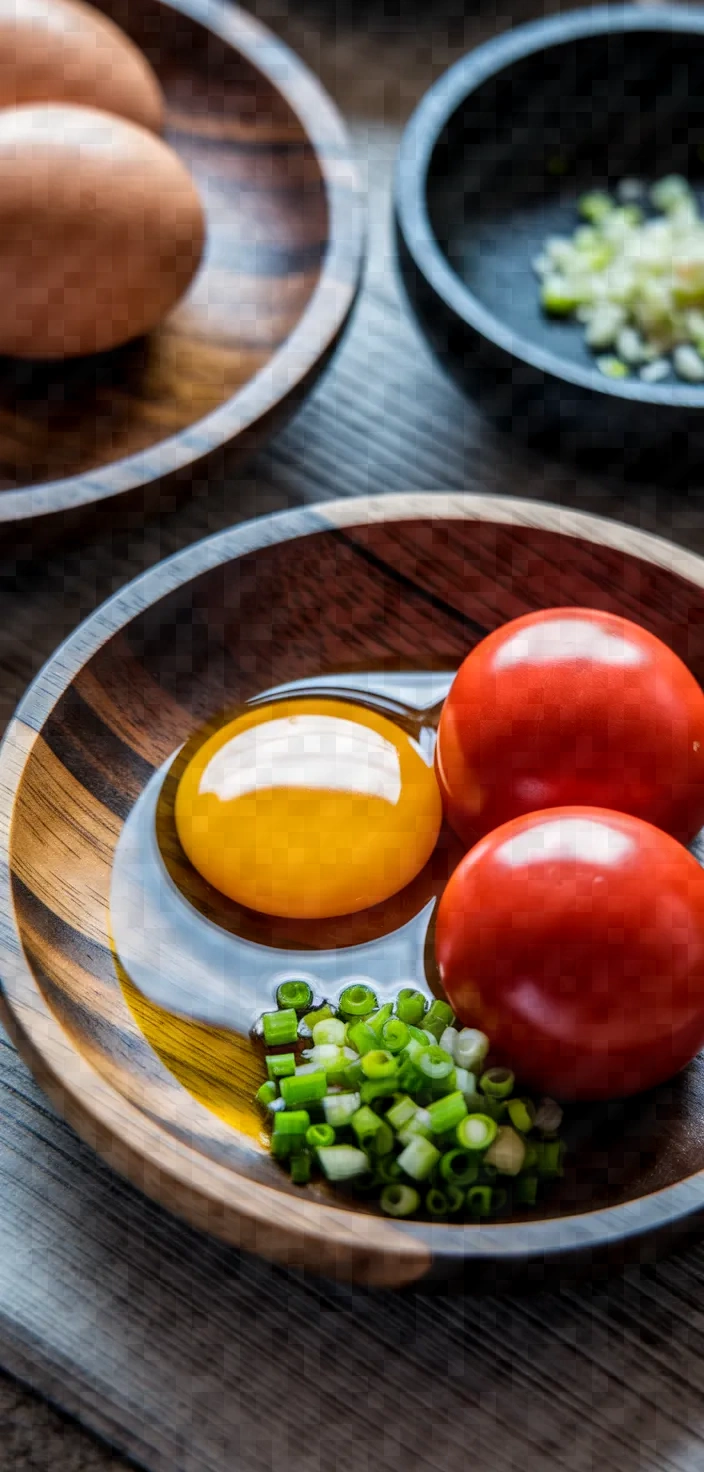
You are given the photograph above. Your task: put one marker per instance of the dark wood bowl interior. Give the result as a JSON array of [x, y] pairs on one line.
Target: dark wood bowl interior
[[403, 583], [284, 242]]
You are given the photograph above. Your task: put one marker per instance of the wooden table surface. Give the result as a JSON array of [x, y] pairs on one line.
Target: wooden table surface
[[187, 1355]]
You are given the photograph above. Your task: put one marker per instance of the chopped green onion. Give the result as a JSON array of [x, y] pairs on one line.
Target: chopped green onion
[[476, 1132], [408, 1077], [438, 1016], [325, 1055], [466, 1082], [299, 1165], [280, 1027], [342, 1162], [525, 1190], [320, 1135], [292, 1122], [686, 360], [307, 1088], [402, 1112], [455, 1198], [434, 1063], [550, 1158], [353, 1076], [418, 1158], [330, 1030], [446, 1114], [373, 1133], [531, 1160], [357, 1000], [521, 1113], [420, 1124], [388, 1170], [339, 1108], [379, 1064], [410, 1006], [595, 206], [471, 1048], [400, 1201], [414, 1048], [459, 1167], [479, 1200], [495, 1108], [436, 1203], [377, 1020], [311, 1018], [411, 1108], [361, 1037], [280, 1065], [267, 1093], [296, 994], [558, 297], [283, 1145], [669, 192], [612, 367], [378, 1088], [497, 1083], [394, 1035], [448, 1039], [507, 1152], [418, 1034]]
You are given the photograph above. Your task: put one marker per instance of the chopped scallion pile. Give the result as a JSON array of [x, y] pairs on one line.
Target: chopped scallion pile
[[380, 1103], [633, 274]]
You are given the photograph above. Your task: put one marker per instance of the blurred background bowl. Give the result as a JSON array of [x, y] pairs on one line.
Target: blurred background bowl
[[493, 161]]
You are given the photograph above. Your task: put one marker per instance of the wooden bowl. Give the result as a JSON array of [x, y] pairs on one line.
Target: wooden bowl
[[285, 244], [492, 163], [395, 582]]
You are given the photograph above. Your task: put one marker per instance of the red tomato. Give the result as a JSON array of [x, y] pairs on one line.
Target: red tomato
[[572, 706], [574, 938]]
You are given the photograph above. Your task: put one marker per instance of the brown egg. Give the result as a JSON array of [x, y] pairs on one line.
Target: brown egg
[[64, 51], [101, 231]]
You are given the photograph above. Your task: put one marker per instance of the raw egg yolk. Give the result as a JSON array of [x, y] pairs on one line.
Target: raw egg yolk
[[309, 808]]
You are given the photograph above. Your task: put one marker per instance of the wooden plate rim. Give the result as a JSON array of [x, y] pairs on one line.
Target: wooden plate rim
[[213, 1196], [321, 322]]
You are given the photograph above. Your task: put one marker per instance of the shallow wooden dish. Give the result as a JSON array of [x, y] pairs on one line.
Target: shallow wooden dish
[[410, 581], [285, 243]]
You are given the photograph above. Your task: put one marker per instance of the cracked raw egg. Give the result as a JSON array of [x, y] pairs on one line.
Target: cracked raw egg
[[308, 808]]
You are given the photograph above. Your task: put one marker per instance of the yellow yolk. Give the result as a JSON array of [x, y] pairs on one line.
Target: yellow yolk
[[309, 808]]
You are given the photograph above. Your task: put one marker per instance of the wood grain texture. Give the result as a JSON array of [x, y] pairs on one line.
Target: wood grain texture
[[407, 582], [271, 161]]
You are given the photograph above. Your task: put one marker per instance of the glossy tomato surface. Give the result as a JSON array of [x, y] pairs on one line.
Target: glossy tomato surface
[[574, 938], [571, 705]]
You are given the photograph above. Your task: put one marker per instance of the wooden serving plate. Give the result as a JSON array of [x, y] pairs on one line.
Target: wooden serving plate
[[270, 156], [403, 582]]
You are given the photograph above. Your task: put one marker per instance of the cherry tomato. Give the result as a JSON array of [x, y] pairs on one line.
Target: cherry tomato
[[574, 938], [572, 706]]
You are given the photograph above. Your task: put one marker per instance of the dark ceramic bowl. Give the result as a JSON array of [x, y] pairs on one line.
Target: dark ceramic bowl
[[493, 161]]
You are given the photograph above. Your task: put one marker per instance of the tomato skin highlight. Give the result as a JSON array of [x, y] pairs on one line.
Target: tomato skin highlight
[[574, 937], [572, 706]]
